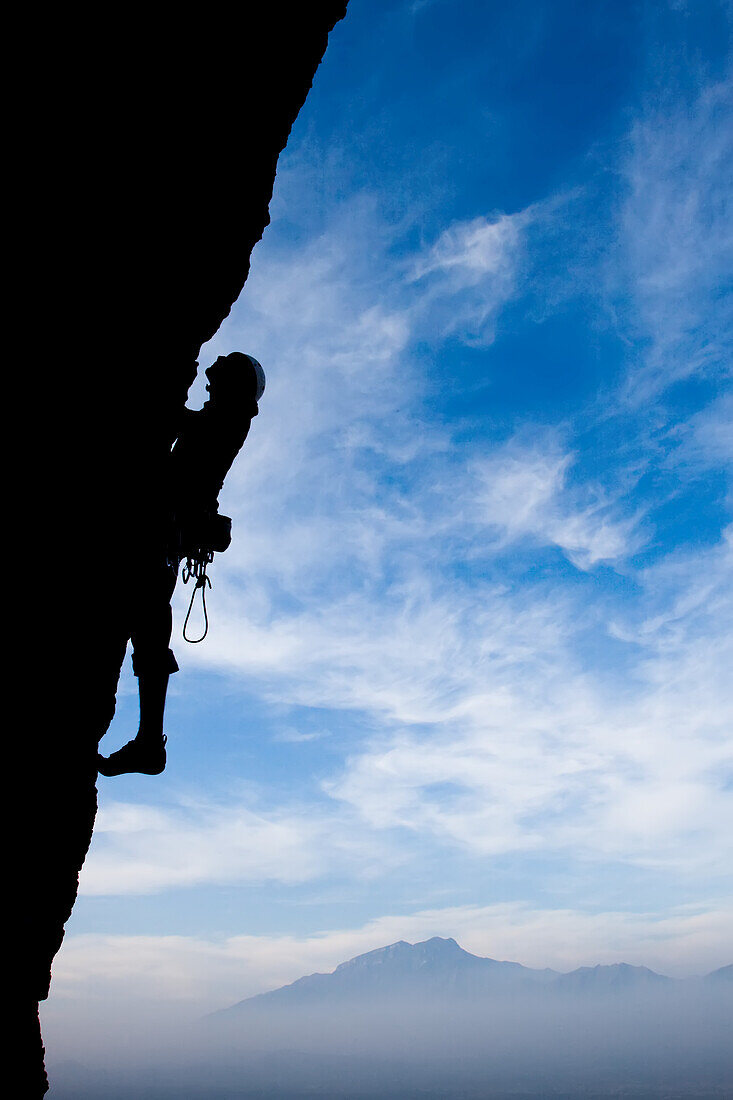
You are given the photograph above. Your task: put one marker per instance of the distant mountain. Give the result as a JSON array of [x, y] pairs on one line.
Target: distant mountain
[[618, 977], [436, 967], [724, 976], [439, 969], [430, 1020]]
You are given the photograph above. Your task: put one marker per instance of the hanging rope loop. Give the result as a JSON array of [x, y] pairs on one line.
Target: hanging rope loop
[[196, 567]]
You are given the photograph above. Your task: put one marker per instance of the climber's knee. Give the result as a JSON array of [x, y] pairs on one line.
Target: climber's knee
[[147, 663]]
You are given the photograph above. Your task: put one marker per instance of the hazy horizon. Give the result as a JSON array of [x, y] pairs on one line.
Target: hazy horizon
[[437, 1020]]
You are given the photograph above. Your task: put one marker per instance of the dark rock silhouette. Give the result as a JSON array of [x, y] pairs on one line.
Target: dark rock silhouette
[[144, 163]]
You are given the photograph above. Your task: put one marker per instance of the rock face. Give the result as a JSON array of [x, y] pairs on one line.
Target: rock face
[[146, 164]]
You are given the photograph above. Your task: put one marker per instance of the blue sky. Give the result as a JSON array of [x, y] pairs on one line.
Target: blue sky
[[468, 671]]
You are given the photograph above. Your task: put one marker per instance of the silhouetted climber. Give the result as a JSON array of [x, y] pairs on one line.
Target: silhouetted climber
[[191, 528]]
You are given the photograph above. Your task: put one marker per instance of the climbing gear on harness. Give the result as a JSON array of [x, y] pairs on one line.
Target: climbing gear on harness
[[196, 567], [198, 540]]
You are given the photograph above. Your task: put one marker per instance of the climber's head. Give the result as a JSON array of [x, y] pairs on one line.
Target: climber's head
[[236, 377]]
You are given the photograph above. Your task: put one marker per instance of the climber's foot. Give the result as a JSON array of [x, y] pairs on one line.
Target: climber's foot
[[145, 756]]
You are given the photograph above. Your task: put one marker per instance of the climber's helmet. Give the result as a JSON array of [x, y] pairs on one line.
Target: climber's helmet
[[236, 375]]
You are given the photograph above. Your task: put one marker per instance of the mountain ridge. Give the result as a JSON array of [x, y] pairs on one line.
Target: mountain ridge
[[440, 966]]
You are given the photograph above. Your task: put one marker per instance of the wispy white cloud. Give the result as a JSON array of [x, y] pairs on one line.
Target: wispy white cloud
[[707, 437], [469, 273], [496, 738], [677, 239], [524, 494], [140, 849], [537, 755], [296, 737], [494, 731], [467, 252]]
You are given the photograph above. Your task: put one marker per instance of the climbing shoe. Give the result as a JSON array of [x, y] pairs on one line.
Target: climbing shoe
[[144, 756]]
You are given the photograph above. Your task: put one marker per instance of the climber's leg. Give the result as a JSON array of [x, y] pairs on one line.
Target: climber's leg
[[146, 752], [153, 662]]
